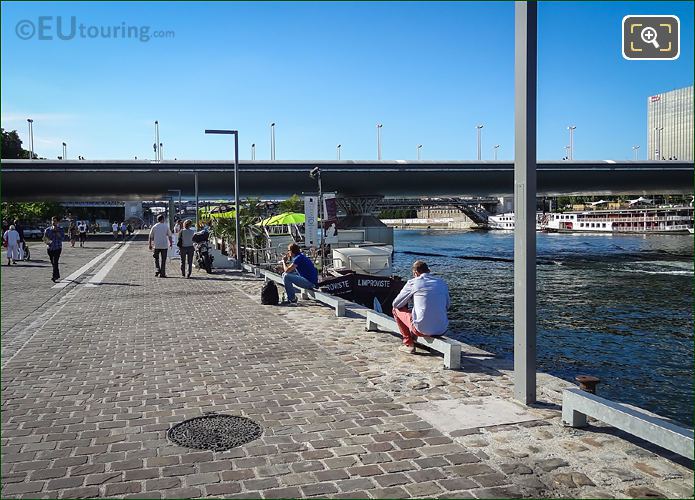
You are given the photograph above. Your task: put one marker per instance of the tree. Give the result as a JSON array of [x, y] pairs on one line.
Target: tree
[[12, 147], [292, 204], [40, 211]]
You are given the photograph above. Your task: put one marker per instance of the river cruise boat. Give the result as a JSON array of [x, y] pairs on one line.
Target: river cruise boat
[[505, 221], [629, 220]]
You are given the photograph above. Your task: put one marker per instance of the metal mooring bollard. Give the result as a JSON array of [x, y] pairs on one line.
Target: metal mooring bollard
[[587, 383]]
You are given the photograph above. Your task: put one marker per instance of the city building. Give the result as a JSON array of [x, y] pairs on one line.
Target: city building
[[670, 125]]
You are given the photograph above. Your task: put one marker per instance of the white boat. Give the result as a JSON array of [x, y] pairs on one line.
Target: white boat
[[373, 260], [505, 221], [627, 220]]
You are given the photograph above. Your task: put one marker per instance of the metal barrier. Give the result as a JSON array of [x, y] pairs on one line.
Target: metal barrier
[[577, 405]]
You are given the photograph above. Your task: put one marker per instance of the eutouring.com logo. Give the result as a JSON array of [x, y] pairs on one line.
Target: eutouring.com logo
[[61, 28]]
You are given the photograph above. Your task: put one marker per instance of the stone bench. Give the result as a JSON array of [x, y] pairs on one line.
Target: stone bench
[[335, 302], [450, 348], [577, 405]]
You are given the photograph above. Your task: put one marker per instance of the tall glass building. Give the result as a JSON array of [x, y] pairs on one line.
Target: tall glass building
[[670, 125]]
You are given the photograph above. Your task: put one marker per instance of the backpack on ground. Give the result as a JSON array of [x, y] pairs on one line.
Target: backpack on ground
[[269, 294]]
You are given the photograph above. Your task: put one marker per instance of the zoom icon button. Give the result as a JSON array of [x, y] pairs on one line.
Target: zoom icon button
[[651, 38]]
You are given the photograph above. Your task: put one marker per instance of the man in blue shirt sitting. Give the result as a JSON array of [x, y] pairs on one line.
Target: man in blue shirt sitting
[[298, 271]]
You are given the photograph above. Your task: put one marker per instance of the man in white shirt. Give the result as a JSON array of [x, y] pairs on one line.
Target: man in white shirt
[[160, 234], [11, 240], [430, 297], [114, 228]]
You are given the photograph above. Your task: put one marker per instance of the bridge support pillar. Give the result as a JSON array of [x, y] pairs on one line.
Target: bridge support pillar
[[172, 211]]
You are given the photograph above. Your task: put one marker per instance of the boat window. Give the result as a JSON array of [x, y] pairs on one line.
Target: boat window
[[603, 225]]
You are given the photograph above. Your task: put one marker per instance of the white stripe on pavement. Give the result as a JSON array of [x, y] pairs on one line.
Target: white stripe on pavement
[[99, 277], [66, 281]]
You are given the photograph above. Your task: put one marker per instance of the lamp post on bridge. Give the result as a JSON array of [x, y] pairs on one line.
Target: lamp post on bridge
[[31, 138], [378, 140], [571, 128], [494, 150], [161, 151], [253, 152], [337, 150], [635, 150], [567, 153], [65, 151], [235, 133], [419, 147], [272, 141], [480, 143], [657, 143], [156, 140]]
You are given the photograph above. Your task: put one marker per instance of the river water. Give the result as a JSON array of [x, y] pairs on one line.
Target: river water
[[619, 307]]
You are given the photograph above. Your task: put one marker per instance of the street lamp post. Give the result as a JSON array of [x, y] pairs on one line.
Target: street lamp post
[[480, 143], [635, 151], [337, 150], [571, 129], [65, 151], [657, 149], [253, 152], [378, 141], [235, 133], [419, 147], [567, 153], [31, 137], [156, 140], [272, 141], [161, 151], [494, 150], [316, 174]]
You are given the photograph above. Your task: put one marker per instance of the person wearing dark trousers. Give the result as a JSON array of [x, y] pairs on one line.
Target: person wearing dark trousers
[[186, 246], [160, 236], [53, 238]]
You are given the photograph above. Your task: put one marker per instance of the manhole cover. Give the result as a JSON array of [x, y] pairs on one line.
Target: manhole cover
[[215, 432]]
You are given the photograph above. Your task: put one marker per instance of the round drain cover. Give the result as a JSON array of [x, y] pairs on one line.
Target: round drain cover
[[215, 432]]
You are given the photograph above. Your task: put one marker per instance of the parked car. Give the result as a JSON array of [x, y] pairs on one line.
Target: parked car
[[33, 232]]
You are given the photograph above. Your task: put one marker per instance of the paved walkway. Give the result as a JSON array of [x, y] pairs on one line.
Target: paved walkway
[[94, 376]]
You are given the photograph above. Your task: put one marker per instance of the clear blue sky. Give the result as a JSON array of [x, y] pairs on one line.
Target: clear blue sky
[[326, 73]]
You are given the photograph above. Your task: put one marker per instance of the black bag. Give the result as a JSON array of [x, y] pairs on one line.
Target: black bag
[[179, 243], [269, 294]]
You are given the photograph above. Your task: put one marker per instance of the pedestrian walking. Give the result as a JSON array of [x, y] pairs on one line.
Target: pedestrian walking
[[175, 253], [160, 236], [72, 232], [11, 240], [185, 245], [22, 243], [53, 238], [124, 230], [82, 229], [114, 228]]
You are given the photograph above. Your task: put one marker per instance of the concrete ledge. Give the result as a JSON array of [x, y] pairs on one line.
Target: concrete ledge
[[577, 405], [335, 302], [450, 348]]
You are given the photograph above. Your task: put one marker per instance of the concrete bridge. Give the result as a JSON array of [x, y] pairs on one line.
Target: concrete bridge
[[138, 180]]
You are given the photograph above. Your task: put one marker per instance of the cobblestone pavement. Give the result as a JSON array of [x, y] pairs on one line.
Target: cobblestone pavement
[[103, 372]]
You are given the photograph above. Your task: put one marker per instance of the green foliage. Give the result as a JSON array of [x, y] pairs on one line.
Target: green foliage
[[398, 213], [28, 212], [292, 204], [11, 147], [250, 212]]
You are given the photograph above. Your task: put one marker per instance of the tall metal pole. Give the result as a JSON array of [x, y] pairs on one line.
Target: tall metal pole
[[195, 176], [65, 151], [253, 152], [161, 151], [236, 197], [480, 144], [419, 147], [31, 138], [494, 149], [635, 151], [525, 68], [571, 129], [337, 148], [156, 140], [378, 141], [272, 141]]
